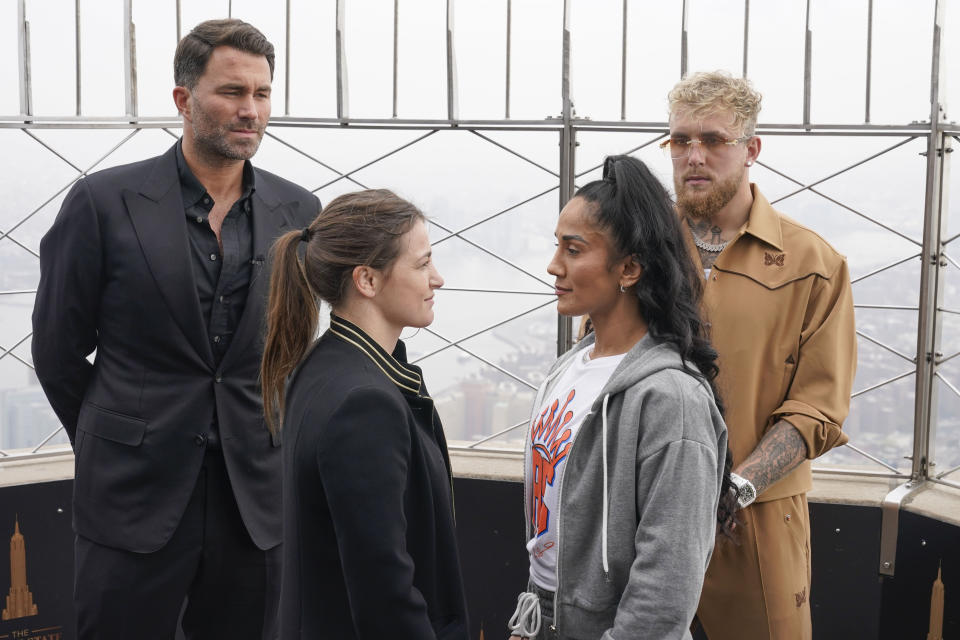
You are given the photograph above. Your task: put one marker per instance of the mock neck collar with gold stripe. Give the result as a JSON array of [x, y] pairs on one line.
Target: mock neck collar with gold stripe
[[407, 379]]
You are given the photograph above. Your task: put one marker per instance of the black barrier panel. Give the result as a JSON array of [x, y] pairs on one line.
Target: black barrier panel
[[37, 594], [922, 546], [848, 599], [493, 558], [845, 548]]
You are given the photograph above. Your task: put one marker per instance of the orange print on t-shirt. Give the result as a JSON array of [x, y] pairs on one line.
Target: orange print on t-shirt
[[550, 444]]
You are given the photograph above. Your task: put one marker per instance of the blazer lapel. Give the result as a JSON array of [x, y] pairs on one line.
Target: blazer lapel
[[160, 224], [270, 219]]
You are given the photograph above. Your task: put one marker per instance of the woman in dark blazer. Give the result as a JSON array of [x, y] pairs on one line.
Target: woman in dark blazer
[[369, 545]]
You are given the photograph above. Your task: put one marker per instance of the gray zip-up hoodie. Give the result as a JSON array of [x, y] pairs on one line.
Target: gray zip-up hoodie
[[638, 500]]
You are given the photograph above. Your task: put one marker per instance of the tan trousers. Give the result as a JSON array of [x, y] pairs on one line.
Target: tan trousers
[[760, 589]]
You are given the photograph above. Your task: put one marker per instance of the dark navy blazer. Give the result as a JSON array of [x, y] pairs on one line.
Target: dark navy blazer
[[115, 276], [369, 542]]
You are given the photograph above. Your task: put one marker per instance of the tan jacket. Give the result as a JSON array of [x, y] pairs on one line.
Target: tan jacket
[[780, 311]]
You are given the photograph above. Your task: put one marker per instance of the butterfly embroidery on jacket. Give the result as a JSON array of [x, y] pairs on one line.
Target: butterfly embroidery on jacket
[[769, 259]]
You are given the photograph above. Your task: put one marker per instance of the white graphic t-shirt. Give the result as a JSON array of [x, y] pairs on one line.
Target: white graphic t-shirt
[[551, 435]]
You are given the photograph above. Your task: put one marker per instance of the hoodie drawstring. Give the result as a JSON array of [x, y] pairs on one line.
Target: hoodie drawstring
[[525, 621], [603, 542]]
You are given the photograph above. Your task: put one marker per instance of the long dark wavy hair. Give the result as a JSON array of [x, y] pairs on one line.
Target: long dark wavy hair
[[635, 209]]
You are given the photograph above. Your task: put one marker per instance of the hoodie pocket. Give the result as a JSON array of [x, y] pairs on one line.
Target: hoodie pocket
[[600, 605]]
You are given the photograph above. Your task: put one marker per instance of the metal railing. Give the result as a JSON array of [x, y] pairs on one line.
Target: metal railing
[[932, 251]]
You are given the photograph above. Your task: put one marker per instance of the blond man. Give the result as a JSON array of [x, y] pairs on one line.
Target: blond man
[[778, 303]]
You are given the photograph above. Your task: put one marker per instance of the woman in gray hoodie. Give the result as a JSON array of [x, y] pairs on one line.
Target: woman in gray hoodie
[[625, 455]]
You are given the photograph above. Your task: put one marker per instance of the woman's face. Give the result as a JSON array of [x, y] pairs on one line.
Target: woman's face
[[406, 298], [586, 280]]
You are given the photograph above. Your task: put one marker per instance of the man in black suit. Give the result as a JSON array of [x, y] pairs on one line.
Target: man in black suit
[[159, 266]]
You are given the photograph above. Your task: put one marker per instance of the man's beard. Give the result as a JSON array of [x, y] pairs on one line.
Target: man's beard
[[210, 138], [701, 205]]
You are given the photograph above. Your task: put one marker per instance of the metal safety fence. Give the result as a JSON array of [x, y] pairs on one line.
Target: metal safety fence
[[498, 181]]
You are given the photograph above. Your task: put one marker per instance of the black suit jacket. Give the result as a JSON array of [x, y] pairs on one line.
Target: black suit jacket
[[116, 277], [369, 546]]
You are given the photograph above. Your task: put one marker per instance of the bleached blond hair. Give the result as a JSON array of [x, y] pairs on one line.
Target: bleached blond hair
[[705, 93]]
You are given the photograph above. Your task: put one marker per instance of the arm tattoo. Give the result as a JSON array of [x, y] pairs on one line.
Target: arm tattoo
[[780, 451]]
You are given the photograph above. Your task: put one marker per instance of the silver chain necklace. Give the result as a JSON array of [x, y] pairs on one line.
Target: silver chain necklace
[[706, 246]]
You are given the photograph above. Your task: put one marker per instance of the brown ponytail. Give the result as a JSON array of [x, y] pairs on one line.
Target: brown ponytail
[[291, 324], [360, 228]]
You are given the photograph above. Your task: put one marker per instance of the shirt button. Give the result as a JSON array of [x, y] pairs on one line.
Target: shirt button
[[216, 338], [213, 257], [200, 439], [199, 219], [219, 378], [206, 201], [221, 298]]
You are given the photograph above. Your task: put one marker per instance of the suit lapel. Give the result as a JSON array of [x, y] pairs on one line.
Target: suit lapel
[[270, 219], [161, 226]]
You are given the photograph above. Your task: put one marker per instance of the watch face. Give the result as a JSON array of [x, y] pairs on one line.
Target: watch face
[[747, 494]]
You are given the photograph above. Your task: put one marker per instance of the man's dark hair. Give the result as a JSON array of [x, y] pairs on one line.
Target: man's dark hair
[[194, 49]]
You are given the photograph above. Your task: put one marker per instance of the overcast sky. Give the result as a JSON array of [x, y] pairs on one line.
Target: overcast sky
[[901, 55]]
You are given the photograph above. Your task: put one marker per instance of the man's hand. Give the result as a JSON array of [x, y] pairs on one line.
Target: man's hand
[[727, 520], [779, 452]]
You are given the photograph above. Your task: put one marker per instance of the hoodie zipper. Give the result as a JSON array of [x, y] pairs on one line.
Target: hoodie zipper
[[603, 397], [527, 454], [573, 446], [527, 447], [556, 593]]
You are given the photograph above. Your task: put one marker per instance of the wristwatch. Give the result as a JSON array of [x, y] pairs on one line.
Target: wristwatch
[[746, 492]]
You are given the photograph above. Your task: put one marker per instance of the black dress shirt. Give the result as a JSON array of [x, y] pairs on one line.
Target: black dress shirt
[[222, 277]]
